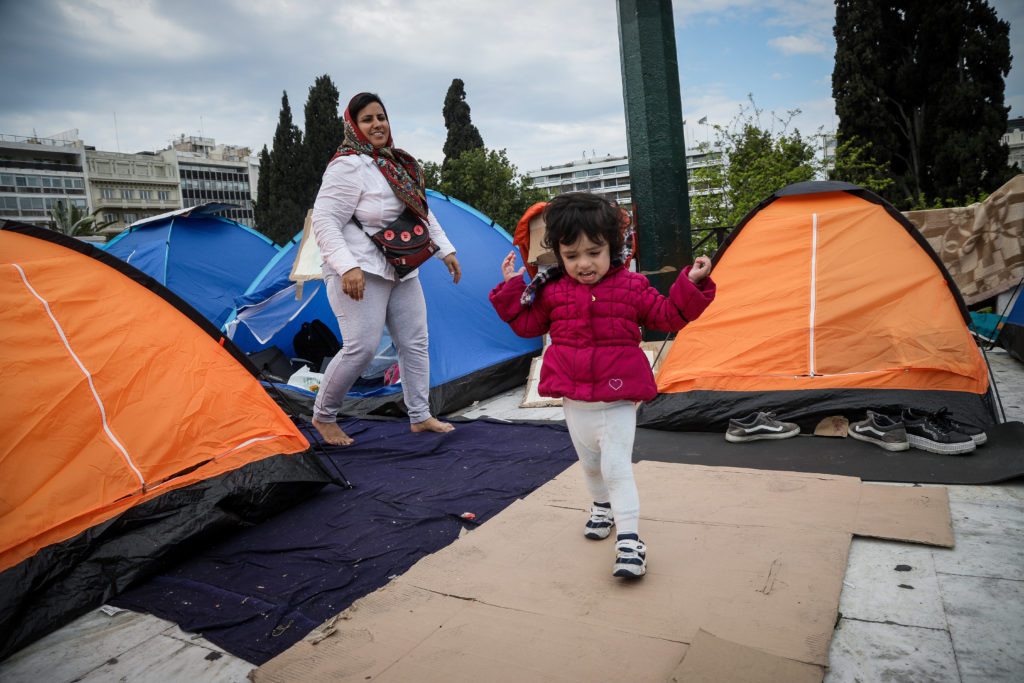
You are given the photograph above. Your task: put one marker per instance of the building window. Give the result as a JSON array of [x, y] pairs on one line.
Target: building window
[[164, 195], [110, 217], [130, 218], [31, 203], [9, 203], [126, 194], [107, 193], [146, 194], [74, 183], [7, 179]]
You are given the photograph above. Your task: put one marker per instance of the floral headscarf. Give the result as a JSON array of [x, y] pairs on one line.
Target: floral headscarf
[[399, 168]]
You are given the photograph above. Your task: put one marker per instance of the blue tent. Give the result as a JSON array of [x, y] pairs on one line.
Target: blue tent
[[473, 354], [205, 259]]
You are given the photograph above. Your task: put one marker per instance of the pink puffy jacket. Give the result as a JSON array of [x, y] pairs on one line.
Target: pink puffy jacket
[[595, 330]]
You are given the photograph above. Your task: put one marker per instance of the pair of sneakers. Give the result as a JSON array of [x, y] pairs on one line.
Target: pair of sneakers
[[934, 432], [630, 551]]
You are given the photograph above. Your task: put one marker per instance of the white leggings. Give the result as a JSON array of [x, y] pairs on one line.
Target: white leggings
[[402, 307], [603, 434]]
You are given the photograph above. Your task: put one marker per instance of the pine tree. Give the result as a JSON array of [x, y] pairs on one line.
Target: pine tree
[[324, 131], [283, 215], [462, 134], [922, 82]]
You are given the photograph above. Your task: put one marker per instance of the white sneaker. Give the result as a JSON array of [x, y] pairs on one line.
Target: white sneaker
[[630, 557], [600, 523]]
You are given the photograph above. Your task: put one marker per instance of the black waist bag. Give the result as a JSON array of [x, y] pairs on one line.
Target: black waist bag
[[405, 242]]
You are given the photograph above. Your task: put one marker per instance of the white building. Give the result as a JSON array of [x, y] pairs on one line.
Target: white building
[[209, 172], [129, 187], [1014, 139], [608, 176], [36, 173]]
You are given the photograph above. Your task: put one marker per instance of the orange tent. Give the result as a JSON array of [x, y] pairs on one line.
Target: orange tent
[[829, 302], [112, 397]]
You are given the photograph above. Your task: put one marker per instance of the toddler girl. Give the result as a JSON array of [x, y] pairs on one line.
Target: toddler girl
[[593, 308]]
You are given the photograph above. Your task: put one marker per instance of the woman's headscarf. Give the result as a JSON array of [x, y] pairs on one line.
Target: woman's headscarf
[[399, 168]]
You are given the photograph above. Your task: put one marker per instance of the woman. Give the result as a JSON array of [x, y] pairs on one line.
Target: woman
[[375, 182]]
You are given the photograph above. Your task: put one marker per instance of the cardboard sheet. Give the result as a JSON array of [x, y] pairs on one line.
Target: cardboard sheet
[[754, 557], [713, 660]]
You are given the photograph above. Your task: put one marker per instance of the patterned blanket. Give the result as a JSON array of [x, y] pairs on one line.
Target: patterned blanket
[[981, 245]]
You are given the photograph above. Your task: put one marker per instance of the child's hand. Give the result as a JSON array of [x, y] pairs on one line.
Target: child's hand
[[701, 269], [508, 267]]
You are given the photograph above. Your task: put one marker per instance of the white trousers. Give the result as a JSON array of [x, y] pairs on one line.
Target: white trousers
[[402, 307], [603, 434]]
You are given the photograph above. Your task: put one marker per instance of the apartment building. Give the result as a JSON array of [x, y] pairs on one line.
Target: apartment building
[[209, 172], [129, 187], [608, 176], [37, 172]]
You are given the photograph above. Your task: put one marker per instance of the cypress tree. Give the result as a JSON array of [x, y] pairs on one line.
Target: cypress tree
[[922, 82], [283, 215], [324, 131], [462, 134], [259, 210]]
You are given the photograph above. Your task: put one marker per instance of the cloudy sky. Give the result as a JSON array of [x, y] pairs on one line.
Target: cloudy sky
[[543, 77]]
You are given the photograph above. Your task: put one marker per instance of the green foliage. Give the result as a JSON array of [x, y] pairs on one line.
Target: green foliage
[[923, 203], [757, 162], [324, 131], [259, 209], [74, 222], [488, 182], [855, 163], [462, 134], [282, 208], [923, 82]]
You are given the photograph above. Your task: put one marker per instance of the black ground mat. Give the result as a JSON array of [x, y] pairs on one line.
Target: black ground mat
[[1000, 459]]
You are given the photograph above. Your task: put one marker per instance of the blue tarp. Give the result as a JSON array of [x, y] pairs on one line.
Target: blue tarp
[[260, 591], [205, 259]]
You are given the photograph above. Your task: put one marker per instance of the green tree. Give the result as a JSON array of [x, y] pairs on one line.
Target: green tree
[[923, 82], [488, 182], [324, 131], [855, 163], [74, 222], [462, 134], [283, 213], [259, 209], [746, 163]]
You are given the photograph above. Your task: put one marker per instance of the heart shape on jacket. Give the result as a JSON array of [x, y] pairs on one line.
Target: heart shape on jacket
[[615, 384]]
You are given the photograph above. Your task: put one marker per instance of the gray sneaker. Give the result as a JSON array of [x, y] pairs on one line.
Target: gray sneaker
[[760, 425], [881, 430]]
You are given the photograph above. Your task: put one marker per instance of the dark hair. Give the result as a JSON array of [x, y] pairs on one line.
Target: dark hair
[[359, 102], [569, 215]]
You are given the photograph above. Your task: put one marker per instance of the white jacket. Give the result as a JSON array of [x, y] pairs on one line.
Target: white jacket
[[353, 184]]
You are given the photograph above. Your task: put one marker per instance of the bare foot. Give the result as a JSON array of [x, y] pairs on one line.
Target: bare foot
[[332, 433], [432, 424]]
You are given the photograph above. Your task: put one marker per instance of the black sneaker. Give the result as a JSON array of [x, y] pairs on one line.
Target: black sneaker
[[925, 433], [760, 425], [943, 418], [881, 430]]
